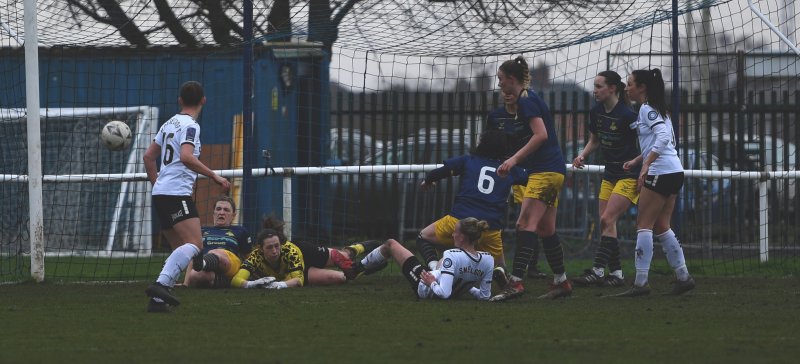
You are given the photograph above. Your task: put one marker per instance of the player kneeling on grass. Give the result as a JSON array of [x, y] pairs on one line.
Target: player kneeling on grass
[[481, 194], [277, 263], [224, 247], [462, 268]]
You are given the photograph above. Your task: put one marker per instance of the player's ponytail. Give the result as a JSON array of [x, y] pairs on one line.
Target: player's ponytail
[[656, 95], [472, 228]]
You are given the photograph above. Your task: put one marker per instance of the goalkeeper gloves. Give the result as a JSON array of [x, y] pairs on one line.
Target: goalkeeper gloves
[[261, 282], [276, 285]]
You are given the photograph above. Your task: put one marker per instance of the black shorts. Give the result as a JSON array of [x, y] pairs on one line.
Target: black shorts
[[412, 270], [174, 209], [665, 184], [313, 255]]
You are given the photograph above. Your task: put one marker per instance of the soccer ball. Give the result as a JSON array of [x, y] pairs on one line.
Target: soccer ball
[[116, 135]]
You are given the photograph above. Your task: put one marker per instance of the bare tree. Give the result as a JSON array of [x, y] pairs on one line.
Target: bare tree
[[190, 22]]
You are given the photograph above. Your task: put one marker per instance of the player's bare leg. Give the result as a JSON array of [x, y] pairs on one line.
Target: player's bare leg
[[325, 277]]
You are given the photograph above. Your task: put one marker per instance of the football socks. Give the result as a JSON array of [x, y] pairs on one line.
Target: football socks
[[672, 248], [644, 255], [554, 254], [176, 263], [427, 250], [613, 257], [527, 242]]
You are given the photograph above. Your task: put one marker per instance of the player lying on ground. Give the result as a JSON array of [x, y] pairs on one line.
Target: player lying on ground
[[481, 194], [277, 263], [462, 268], [224, 247]]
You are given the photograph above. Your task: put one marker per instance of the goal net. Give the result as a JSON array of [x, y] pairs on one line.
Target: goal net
[[93, 202], [356, 89]]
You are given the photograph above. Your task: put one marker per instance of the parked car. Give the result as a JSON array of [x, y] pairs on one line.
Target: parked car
[[753, 154], [351, 146]]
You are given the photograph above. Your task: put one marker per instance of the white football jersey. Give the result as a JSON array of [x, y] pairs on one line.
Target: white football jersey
[[174, 178], [656, 134], [460, 272]]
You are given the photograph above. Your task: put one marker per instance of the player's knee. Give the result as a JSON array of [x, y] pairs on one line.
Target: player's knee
[[607, 220]]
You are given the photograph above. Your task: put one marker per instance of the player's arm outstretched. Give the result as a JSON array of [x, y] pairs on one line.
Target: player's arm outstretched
[[452, 167], [190, 161]]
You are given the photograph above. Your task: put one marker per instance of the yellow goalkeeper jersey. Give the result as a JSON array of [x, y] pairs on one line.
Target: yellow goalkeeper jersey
[[256, 266]]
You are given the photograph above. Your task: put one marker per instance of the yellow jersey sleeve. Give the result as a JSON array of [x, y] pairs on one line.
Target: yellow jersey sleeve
[[292, 260]]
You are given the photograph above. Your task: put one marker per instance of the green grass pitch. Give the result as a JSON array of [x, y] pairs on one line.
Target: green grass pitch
[[376, 319]]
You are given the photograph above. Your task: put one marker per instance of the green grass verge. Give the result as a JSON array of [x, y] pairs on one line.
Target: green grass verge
[[376, 319]]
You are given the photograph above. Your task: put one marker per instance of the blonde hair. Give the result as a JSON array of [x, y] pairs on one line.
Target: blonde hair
[[472, 228]]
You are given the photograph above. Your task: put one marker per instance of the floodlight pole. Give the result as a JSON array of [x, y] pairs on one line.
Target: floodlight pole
[[36, 219]]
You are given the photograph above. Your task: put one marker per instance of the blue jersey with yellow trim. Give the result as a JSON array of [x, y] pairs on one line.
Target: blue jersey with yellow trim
[[235, 239], [482, 194], [619, 142]]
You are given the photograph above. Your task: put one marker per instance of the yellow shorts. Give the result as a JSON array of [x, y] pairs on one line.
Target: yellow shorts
[[491, 241], [545, 187], [236, 263], [625, 187], [518, 191]]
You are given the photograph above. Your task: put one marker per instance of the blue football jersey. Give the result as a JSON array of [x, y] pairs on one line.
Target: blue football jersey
[[482, 194], [235, 239], [619, 142], [548, 157]]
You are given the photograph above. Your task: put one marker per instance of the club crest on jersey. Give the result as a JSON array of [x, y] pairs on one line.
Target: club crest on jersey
[[447, 263], [652, 115], [190, 134], [613, 126]]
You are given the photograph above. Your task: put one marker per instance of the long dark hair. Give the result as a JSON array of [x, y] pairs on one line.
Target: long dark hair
[[614, 79], [493, 145], [655, 89]]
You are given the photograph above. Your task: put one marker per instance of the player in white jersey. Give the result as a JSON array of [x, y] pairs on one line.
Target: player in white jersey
[[462, 269], [662, 178], [178, 145]]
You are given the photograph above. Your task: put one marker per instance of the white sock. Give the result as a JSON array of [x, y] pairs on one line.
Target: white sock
[[559, 278], [600, 272], [644, 255], [672, 248], [373, 258], [618, 274], [176, 263]]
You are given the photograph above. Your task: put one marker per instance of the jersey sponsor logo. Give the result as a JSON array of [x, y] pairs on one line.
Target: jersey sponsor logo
[[447, 263], [190, 134], [652, 115]]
